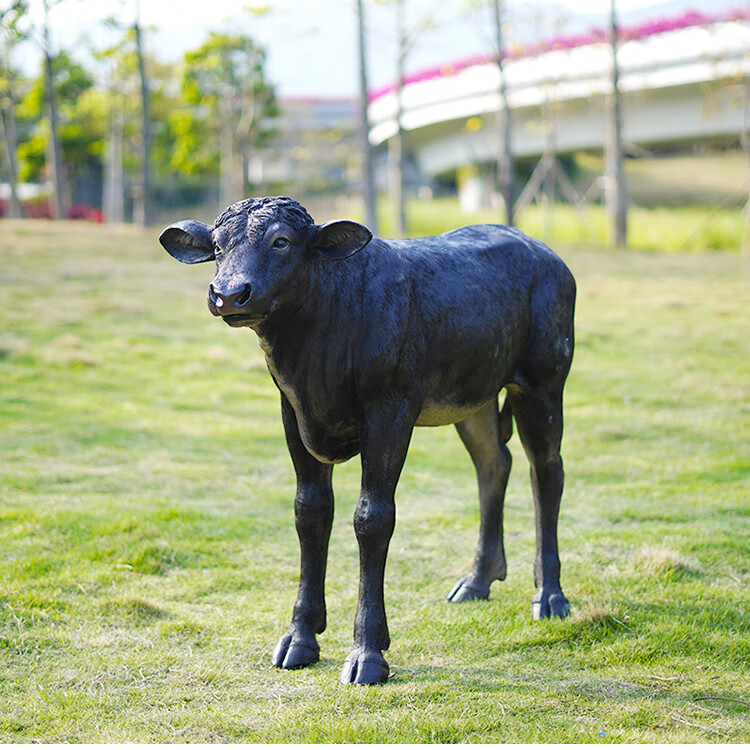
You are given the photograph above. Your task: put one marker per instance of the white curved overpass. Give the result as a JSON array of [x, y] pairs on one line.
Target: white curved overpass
[[684, 84]]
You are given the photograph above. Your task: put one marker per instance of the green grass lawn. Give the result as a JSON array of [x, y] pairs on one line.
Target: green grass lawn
[[690, 228], [150, 559]]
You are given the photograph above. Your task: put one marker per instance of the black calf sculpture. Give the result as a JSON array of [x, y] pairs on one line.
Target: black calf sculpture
[[367, 338]]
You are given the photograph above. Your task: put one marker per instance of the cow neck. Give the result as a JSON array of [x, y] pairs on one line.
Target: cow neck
[[320, 314]]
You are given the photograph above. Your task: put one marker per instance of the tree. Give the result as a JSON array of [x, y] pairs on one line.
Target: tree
[[141, 100], [54, 153], [397, 144], [407, 33], [505, 166], [368, 162], [617, 198], [230, 107], [129, 58], [135, 85], [146, 203], [113, 59], [79, 126], [10, 34]]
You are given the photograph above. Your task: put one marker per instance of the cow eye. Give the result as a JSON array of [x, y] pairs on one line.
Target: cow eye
[[280, 243]]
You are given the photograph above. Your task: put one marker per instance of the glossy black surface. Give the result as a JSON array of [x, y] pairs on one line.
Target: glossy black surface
[[367, 338]]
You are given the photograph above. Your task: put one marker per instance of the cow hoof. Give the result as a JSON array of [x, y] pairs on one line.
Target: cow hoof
[[364, 668], [549, 604], [291, 654], [468, 589]]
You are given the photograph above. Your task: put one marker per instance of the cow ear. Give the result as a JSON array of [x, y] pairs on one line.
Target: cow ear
[[336, 240], [189, 241]]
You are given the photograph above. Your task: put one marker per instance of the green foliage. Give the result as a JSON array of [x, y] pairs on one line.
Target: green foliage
[[194, 149], [150, 559], [70, 79], [224, 62], [82, 128], [12, 31], [32, 156], [12, 21], [185, 121], [122, 98], [223, 83]]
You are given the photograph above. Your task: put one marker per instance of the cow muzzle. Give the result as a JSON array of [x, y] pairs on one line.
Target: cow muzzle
[[229, 301]]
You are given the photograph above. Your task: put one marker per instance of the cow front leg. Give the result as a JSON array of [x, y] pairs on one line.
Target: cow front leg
[[313, 512], [385, 441]]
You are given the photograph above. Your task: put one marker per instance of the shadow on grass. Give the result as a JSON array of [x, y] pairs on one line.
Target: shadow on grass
[[135, 610]]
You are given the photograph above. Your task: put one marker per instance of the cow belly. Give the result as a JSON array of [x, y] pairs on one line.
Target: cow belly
[[436, 414], [454, 393]]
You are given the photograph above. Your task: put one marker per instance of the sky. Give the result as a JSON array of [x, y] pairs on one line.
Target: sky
[[311, 44]]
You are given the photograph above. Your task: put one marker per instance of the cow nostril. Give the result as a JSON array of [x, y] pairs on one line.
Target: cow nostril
[[244, 296], [215, 298]]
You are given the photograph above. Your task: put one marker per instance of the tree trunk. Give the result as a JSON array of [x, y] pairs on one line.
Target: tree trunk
[[10, 142], [226, 151], [745, 144], [54, 151], [114, 189], [396, 169], [249, 111], [147, 203], [245, 171], [8, 126], [396, 146], [616, 188], [368, 165], [505, 166]]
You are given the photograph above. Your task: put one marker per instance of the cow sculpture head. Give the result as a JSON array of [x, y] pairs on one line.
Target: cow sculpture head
[[259, 245]]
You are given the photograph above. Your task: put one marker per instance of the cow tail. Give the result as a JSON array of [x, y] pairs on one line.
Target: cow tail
[[505, 418]]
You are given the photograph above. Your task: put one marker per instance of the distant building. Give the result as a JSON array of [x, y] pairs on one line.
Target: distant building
[[683, 80], [315, 150]]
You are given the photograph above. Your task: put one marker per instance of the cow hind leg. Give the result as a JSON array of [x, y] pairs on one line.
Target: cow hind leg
[[539, 418], [484, 435]]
